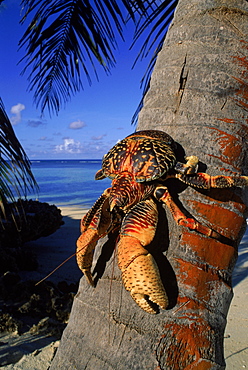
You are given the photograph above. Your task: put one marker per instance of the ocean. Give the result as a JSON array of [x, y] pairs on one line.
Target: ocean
[[68, 182]]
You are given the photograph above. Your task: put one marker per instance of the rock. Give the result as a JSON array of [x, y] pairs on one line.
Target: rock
[[9, 324], [25, 220], [9, 279], [32, 220], [48, 326], [44, 307]]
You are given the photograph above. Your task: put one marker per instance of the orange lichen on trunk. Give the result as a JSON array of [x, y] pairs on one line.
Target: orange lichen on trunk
[[220, 219], [230, 146], [215, 254], [204, 280], [191, 353], [201, 271]]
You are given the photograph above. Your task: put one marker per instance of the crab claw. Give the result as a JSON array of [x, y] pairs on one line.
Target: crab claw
[[94, 225], [188, 168], [142, 279], [140, 273], [85, 250]]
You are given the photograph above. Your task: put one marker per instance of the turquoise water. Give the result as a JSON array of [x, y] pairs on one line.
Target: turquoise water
[[68, 182]]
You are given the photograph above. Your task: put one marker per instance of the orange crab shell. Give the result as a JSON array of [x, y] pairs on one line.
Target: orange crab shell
[[148, 155]]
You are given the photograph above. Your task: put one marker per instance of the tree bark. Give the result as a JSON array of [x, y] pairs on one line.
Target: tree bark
[[198, 95]]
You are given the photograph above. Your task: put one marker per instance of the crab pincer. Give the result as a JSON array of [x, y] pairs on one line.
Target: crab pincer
[[94, 225], [140, 273]]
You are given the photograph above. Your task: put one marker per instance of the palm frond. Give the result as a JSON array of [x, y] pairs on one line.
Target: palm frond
[[66, 38], [66, 41], [16, 175], [159, 19]]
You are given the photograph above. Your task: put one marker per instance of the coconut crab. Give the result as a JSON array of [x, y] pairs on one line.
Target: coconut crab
[[139, 166]]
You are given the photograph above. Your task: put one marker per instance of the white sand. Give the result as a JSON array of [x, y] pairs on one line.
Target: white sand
[[29, 352], [236, 335]]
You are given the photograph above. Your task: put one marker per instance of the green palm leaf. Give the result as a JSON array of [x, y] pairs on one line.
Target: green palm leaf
[[158, 20], [65, 38], [16, 175]]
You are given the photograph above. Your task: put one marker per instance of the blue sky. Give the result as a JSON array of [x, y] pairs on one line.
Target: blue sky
[[91, 123]]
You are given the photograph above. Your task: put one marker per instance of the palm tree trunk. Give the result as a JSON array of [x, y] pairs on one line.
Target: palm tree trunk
[[198, 95]]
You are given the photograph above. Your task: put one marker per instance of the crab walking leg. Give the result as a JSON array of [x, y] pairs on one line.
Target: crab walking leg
[[94, 225], [164, 196], [205, 181], [140, 273]]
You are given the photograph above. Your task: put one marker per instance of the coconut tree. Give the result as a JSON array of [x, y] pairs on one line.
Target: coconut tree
[[197, 94]]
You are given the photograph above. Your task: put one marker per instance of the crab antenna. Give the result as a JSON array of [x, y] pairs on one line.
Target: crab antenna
[[56, 268], [62, 263]]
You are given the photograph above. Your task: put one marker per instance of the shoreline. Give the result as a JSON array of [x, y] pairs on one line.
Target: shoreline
[[54, 249], [35, 352]]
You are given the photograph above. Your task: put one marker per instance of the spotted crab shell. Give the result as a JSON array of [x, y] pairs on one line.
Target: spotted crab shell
[[148, 155]]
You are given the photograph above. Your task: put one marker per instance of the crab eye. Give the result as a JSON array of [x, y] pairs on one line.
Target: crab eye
[[159, 192]]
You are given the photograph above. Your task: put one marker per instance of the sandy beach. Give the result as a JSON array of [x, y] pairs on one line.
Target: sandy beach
[[35, 352]]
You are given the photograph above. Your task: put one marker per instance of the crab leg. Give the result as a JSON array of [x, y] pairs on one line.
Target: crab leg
[[205, 181], [162, 194], [94, 225], [140, 273]]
